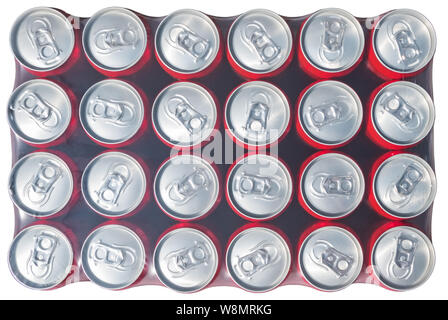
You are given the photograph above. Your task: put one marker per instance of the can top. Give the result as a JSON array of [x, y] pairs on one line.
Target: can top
[[113, 184], [186, 260], [403, 113], [404, 41], [332, 40], [187, 41], [258, 259], [113, 257], [259, 41], [332, 185], [257, 113], [404, 186], [186, 187], [184, 114], [40, 257], [39, 111], [330, 258], [330, 112], [111, 111], [40, 184], [403, 258], [259, 187], [42, 39], [114, 39]]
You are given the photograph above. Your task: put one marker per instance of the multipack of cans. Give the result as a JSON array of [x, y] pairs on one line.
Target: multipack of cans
[[192, 151]]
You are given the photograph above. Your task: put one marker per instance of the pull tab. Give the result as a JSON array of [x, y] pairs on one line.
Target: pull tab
[[45, 115], [330, 185], [120, 258], [331, 49], [261, 257], [42, 184], [116, 180], [189, 42], [182, 261], [327, 114], [41, 260], [256, 122], [180, 192], [327, 256], [404, 39], [267, 188], [400, 193], [42, 39], [401, 264], [180, 109], [118, 113], [404, 115], [255, 35], [111, 40]]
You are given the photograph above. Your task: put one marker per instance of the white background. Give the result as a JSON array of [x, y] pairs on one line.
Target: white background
[[435, 288]]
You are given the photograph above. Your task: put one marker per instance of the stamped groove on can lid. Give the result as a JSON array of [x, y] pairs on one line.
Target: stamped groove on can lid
[[111, 111], [259, 187], [184, 114], [330, 112], [404, 186], [114, 39], [113, 184], [113, 257], [186, 187], [259, 41], [330, 258], [42, 39], [332, 40], [404, 41], [40, 257], [402, 258], [403, 113], [257, 113], [258, 259], [186, 260], [187, 41], [39, 111], [41, 184]]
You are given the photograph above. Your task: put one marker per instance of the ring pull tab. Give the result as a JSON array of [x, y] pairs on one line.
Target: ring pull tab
[[189, 42], [403, 114], [400, 193], [258, 113], [182, 191], [331, 49], [120, 258], [42, 39], [40, 187], [327, 256], [261, 257], [402, 260], [117, 179], [111, 40], [257, 38], [404, 40], [41, 260], [181, 110], [327, 114], [266, 188], [325, 186], [115, 112], [182, 261]]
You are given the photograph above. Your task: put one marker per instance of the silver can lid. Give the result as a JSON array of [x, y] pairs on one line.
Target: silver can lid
[[332, 185], [113, 257], [403, 258], [111, 111], [39, 111], [258, 259], [332, 40], [330, 112], [404, 41], [114, 39], [403, 113], [186, 260], [42, 39], [259, 187], [259, 41], [330, 258], [404, 186], [186, 187], [41, 184], [184, 114], [113, 184], [257, 113], [40, 257], [187, 41]]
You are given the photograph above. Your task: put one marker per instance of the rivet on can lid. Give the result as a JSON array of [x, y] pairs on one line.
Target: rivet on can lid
[[42, 39]]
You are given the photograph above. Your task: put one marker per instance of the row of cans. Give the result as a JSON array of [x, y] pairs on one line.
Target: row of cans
[[186, 258], [260, 43], [257, 114], [258, 186]]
